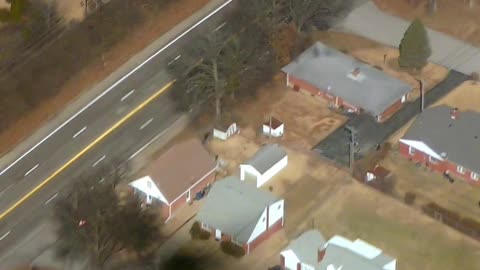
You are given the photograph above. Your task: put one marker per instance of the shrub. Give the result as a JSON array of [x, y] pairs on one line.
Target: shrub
[[232, 249], [410, 198], [197, 233]]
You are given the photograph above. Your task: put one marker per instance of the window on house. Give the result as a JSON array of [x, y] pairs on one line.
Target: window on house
[[433, 160], [411, 151], [460, 169], [474, 176]]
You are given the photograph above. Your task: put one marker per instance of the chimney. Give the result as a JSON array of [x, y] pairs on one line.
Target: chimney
[[454, 113], [320, 255], [355, 72]]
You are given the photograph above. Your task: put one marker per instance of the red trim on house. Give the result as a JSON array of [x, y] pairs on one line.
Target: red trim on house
[[302, 86], [198, 186], [424, 159]]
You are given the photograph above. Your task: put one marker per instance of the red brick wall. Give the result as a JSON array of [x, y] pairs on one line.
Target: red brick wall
[[182, 200], [274, 228], [320, 93], [391, 110], [439, 166]]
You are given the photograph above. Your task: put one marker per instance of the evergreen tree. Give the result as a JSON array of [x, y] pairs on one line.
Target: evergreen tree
[[414, 47]]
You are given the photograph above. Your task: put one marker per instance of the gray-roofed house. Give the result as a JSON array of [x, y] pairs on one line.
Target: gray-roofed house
[[446, 140], [346, 82], [269, 160], [239, 212], [310, 251]]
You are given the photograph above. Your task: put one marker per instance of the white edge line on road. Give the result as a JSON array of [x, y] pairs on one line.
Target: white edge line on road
[[146, 123], [51, 199], [79, 132], [116, 83], [99, 160], [5, 235], [31, 170], [220, 26], [174, 59], [147, 144], [127, 95]]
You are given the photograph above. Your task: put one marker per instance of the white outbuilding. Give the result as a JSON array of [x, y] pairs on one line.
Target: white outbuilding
[[269, 160], [273, 127]]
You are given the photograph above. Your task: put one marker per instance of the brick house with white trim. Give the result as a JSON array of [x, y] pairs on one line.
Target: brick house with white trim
[[445, 140], [346, 83]]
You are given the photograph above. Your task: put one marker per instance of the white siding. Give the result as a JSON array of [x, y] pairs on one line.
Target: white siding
[[247, 168], [421, 147], [291, 259], [272, 171], [391, 265], [260, 227], [306, 267], [275, 132], [275, 212], [219, 134]]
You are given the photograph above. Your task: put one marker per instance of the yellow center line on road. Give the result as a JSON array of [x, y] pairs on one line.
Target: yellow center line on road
[[86, 149]]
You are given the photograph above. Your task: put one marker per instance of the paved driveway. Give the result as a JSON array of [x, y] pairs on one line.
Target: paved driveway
[[372, 23], [370, 133]]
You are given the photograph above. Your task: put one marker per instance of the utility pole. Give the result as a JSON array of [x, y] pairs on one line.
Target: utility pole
[[270, 127], [352, 145], [422, 94]]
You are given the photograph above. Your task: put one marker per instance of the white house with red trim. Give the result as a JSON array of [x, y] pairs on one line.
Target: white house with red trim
[[445, 140], [273, 127], [310, 251], [239, 212], [178, 176]]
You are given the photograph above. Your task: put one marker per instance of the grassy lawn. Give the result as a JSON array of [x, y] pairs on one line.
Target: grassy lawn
[[417, 241]]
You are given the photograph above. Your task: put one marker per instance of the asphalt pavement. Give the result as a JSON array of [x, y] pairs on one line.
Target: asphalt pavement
[[41, 156], [369, 21]]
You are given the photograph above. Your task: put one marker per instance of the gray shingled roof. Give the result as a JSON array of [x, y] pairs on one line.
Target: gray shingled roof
[[234, 207], [458, 138], [349, 260], [325, 68], [306, 246], [266, 157]]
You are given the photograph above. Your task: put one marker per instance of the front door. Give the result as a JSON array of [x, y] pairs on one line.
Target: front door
[[218, 234]]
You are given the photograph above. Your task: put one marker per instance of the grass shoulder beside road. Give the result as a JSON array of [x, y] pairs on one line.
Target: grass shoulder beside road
[[46, 83]]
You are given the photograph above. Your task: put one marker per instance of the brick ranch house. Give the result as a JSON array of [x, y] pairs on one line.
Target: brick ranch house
[[346, 83], [237, 211], [310, 251], [445, 140], [177, 177]]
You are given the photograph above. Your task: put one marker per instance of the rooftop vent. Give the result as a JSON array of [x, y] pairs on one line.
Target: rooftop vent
[[454, 113], [356, 72]]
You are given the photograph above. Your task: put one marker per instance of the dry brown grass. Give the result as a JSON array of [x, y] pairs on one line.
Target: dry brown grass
[[465, 97]]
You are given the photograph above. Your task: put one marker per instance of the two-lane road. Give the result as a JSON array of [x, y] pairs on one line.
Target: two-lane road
[[113, 126]]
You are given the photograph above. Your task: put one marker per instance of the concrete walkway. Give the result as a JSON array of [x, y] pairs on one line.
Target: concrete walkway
[[370, 22]]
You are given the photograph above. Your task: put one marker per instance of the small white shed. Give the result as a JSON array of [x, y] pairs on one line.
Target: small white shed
[[267, 162], [223, 132], [273, 127]]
